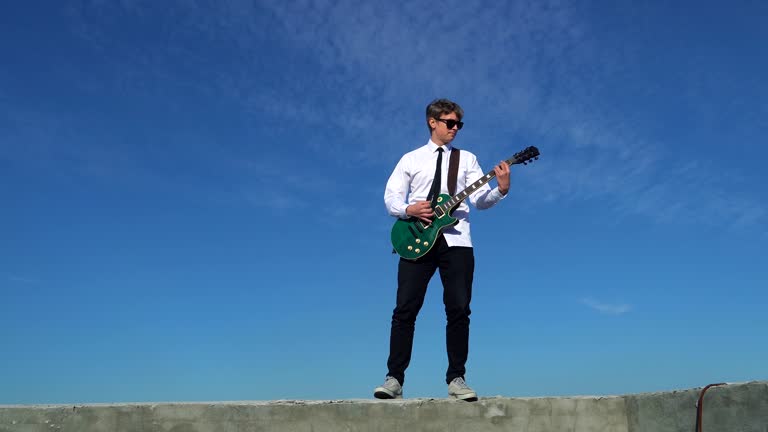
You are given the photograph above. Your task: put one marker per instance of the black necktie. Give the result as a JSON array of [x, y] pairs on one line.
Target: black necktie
[[436, 182]]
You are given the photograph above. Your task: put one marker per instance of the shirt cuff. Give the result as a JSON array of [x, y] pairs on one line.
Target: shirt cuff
[[401, 212], [500, 196]]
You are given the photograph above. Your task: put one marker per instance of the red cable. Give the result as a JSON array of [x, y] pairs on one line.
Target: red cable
[[700, 405]]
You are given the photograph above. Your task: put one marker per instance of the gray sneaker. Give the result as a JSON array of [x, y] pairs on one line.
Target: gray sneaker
[[458, 389], [391, 389]]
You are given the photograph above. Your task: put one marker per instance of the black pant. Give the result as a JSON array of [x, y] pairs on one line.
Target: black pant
[[457, 266]]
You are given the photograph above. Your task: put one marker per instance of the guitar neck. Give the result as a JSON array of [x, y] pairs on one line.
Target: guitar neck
[[461, 196]]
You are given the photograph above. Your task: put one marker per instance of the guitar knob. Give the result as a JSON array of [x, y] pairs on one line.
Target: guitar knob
[[426, 244], [410, 247], [417, 250], [418, 240]]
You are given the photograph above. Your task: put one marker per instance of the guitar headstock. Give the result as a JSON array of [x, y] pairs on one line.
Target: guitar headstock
[[525, 156]]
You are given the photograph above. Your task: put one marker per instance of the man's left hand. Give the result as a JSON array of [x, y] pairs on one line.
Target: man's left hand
[[502, 177]]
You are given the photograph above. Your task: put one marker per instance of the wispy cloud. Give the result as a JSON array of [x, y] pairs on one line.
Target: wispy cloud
[[508, 55], [23, 280], [539, 69], [607, 308]]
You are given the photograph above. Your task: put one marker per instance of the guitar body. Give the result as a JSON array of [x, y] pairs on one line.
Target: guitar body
[[413, 238]]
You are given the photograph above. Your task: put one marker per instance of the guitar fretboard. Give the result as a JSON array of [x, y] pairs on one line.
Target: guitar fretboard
[[461, 196]]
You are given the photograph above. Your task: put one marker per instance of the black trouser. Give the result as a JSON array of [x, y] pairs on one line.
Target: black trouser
[[457, 266]]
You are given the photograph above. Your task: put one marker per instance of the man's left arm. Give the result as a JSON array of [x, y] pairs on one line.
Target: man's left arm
[[485, 197]]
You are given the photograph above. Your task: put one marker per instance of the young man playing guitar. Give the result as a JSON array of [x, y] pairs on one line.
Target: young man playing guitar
[[412, 192]]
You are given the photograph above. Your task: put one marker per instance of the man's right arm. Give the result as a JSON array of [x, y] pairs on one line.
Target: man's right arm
[[396, 192]]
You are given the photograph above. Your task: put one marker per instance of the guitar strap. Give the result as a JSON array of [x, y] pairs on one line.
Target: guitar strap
[[453, 171]]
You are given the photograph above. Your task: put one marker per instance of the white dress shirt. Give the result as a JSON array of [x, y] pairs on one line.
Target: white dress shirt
[[411, 182]]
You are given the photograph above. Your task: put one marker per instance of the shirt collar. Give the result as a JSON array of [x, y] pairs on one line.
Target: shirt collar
[[433, 147]]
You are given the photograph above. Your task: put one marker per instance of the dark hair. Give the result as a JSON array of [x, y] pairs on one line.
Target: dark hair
[[439, 107]]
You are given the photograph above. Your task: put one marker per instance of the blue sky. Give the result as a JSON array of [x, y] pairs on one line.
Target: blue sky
[[192, 206]]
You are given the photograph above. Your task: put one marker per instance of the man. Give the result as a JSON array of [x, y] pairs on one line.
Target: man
[[407, 195]]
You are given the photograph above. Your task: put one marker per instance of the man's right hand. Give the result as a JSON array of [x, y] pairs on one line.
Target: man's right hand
[[421, 210]]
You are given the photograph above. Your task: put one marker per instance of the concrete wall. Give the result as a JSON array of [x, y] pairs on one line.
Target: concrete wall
[[733, 408]]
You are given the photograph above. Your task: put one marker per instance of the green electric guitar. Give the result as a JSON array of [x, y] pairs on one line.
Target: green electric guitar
[[413, 238]]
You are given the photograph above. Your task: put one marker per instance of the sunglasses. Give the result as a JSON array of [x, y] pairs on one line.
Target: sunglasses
[[450, 123]]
